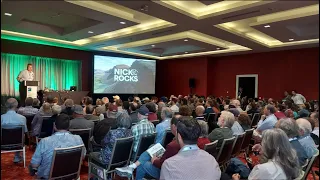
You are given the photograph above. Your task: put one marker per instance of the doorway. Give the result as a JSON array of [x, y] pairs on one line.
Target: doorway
[[249, 85]]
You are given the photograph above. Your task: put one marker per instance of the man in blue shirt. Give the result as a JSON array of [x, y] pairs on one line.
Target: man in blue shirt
[[305, 139], [269, 121], [42, 158], [161, 128], [12, 119]]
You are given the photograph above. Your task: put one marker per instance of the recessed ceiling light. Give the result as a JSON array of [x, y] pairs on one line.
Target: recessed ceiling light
[[153, 45], [267, 26], [7, 14], [218, 48], [90, 32], [186, 52], [291, 39], [186, 40], [122, 22]]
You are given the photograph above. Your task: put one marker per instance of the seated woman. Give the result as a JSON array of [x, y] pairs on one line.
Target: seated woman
[[36, 123], [152, 111], [278, 160], [203, 139], [68, 108], [123, 123], [244, 121]]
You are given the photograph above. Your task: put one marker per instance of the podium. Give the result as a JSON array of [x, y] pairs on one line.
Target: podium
[[30, 88]]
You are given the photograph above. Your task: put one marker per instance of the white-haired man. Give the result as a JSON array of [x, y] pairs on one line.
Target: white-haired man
[[237, 104], [305, 139]]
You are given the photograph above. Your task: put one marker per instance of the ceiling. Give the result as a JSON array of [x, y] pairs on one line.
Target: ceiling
[[163, 29]]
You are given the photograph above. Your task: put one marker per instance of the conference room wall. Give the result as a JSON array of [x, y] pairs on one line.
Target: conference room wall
[[277, 71]]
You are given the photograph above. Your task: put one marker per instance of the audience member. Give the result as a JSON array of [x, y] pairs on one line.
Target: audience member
[[191, 104], [278, 161], [28, 110], [298, 99], [119, 103], [12, 119], [36, 103], [154, 99], [55, 101], [225, 122], [152, 111], [88, 101], [162, 127], [45, 111], [78, 121], [103, 108], [190, 162], [199, 113], [236, 127], [280, 112], [174, 108], [244, 121], [225, 104], [268, 120], [209, 105], [98, 102], [287, 96], [160, 106], [134, 113], [103, 126], [99, 113], [185, 111], [315, 117], [203, 138], [89, 113], [69, 108], [237, 105], [304, 137], [291, 128], [42, 158], [56, 110], [304, 111], [126, 107]]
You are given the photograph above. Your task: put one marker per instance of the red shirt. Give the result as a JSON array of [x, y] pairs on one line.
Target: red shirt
[[203, 141], [152, 117], [172, 149], [280, 115]]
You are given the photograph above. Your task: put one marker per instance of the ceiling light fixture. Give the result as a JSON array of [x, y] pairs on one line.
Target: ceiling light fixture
[[291, 39], [7, 14], [153, 45], [218, 48], [186, 52], [90, 32], [122, 22], [267, 26], [186, 40]]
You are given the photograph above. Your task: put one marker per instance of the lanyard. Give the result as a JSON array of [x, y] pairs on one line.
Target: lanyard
[[189, 148]]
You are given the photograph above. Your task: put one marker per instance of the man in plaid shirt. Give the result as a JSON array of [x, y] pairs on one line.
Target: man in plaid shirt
[[28, 110], [143, 127]]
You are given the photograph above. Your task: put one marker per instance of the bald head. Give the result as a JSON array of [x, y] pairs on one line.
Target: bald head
[[11, 103], [199, 110], [304, 126]]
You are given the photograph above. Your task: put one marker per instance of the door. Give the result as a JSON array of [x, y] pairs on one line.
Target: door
[[248, 84]]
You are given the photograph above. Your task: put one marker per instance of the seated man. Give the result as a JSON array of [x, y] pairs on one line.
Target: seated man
[[268, 120], [36, 124], [236, 127], [161, 128], [133, 113], [12, 119], [103, 126], [89, 113], [152, 165], [225, 122], [190, 162], [28, 110], [42, 158], [79, 122], [199, 113], [304, 137]]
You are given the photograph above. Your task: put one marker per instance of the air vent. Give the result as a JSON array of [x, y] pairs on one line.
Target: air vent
[[239, 15], [162, 32]]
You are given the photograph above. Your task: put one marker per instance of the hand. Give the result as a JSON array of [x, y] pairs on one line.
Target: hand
[[153, 159], [263, 117], [235, 177]]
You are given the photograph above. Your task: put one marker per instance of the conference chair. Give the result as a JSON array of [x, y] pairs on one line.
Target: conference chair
[[120, 157], [211, 148], [12, 140], [94, 146], [29, 120], [46, 128], [217, 116], [85, 135], [225, 152], [155, 122], [144, 143], [255, 119], [66, 162], [211, 121], [194, 115], [309, 167], [246, 140], [250, 116], [237, 145], [168, 137]]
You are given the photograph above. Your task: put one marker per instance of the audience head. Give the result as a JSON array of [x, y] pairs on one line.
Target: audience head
[[11, 104], [49, 99], [89, 109], [312, 122], [55, 100], [35, 102], [174, 100], [29, 101], [200, 110], [143, 112], [235, 102], [89, 101], [173, 124], [99, 102], [112, 111], [304, 127], [126, 105], [151, 107], [270, 101], [226, 102], [289, 113], [164, 99], [46, 108], [293, 92], [315, 117], [118, 103], [154, 99], [105, 100], [209, 103], [289, 126], [286, 93], [166, 113], [56, 109], [244, 119], [226, 119], [275, 145], [204, 128], [185, 111], [235, 112], [188, 131], [115, 98], [130, 99], [133, 107], [161, 105], [183, 101], [69, 103], [62, 122], [269, 109], [78, 111], [123, 120]]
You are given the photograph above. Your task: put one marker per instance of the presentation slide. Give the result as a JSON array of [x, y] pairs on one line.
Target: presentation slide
[[117, 75]]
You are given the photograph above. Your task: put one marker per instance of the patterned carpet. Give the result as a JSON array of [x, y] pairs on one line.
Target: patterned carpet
[[12, 171]]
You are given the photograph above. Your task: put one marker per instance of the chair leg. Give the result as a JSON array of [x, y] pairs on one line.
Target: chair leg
[[89, 173], [313, 174], [24, 157]]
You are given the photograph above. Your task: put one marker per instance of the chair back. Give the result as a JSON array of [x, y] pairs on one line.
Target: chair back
[[309, 167], [46, 127], [85, 135], [225, 150], [217, 116], [211, 148], [247, 139], [237, 145], [211, 121], [194, 115], [121, 153], [66, 162], [155, 122], [12, 137], [144, 143], [250, 116], [29, 120], [168, 137], [255, 119]]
